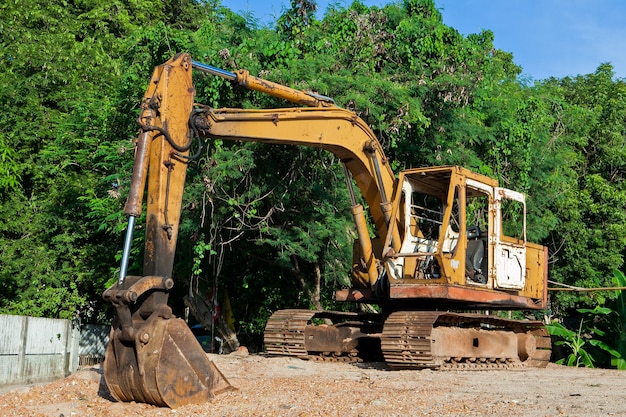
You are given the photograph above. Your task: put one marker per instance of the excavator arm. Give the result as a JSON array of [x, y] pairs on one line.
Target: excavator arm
[[322, 124], [152, 356], [336, 130]]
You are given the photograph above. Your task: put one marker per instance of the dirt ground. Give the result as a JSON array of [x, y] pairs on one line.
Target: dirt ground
[[272, 386]]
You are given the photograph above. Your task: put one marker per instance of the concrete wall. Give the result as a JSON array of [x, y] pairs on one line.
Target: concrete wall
[[38, 349]]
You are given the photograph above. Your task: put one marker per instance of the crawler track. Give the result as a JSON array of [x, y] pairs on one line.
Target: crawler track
[[422, 339], [290, 333], [407, 341], [284, 333]]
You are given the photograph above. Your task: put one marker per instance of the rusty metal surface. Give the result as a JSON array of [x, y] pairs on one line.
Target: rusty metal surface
[[540, 350], [326, 338], [474, 344], [291, 333], [406, 340], [413, 339], [445, 296], [534, 346], [440, 340], [165, 366], [152, 356], [467, 295], [284, 332], [134, 287], [356, 295]]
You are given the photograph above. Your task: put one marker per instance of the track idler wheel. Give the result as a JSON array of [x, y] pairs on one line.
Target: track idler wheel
[[164, 365]]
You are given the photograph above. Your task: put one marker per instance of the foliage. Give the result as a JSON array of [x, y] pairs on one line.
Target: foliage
[[587, 243], [600, 335], [9, 176], [269, 224], [609, 323], [617, 328], [575, 342], [64, 146]]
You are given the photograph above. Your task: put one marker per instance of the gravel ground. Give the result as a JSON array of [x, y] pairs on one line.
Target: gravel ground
[[270, 386]]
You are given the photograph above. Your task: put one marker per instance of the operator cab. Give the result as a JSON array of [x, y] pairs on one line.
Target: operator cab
[[458, 227]]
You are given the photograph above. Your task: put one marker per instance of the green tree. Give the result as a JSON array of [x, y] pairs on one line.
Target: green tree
[[61, 67], [256, 217], [588, 242]]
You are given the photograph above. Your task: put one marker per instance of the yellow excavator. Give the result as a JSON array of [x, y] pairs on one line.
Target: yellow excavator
[[449, 243]]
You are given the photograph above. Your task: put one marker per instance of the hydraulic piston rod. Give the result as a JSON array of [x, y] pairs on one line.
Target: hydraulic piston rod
[[243, 78]]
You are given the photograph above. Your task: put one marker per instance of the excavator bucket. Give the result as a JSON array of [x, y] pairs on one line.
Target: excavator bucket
[[171, 369], [161, 363]]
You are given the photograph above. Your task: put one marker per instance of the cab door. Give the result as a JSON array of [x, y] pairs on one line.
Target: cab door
[[510, 240]]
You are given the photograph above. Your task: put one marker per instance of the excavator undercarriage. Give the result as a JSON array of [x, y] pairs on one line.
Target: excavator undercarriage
[[410, 339]]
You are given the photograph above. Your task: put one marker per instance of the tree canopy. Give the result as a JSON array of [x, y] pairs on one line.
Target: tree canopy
[[269, 225]]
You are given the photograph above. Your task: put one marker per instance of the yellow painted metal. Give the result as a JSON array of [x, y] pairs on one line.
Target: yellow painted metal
[[173, 95], [280, 91], [394, 230], [365, 244], [148, 343], [337, 130], [452, 262]]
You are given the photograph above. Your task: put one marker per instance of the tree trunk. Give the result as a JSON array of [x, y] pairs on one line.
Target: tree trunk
[[315, 294], [202, 312]]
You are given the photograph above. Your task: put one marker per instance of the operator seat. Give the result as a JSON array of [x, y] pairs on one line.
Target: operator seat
[[474, 255]]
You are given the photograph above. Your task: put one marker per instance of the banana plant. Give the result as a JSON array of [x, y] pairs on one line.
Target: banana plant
[[581, 343], [575, 342], [619, 328]]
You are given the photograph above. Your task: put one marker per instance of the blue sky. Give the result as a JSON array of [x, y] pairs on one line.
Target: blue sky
[[547, 37]]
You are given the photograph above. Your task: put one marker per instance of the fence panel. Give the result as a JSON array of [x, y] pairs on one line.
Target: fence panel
[[93, 342], [36, 349], [11, 336]]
